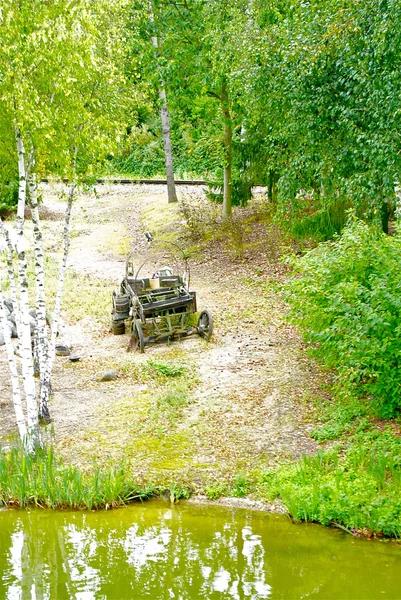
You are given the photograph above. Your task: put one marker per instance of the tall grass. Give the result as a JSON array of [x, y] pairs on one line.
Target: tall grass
[[46, 481]]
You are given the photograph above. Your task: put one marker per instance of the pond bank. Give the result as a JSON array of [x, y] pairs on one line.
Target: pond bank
[[188, 418]]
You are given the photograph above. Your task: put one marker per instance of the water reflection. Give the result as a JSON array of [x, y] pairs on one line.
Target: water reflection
[[154, 551]]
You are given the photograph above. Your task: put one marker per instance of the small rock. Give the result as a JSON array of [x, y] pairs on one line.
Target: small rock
[[109, 376]]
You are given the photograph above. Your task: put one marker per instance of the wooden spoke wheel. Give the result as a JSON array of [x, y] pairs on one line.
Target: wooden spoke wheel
[[137, 342], [205, 325]]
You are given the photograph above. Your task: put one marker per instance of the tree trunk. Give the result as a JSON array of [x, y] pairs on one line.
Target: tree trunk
[[11, 274], [228, 152], [46, 388], [41, 340], [168, 155], [33, 440], [385, 215], [272, 188], [16, 391]]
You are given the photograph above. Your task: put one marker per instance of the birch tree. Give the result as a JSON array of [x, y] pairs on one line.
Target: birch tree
[[61, 91]]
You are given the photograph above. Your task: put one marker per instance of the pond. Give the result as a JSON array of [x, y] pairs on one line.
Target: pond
[[187, 551]]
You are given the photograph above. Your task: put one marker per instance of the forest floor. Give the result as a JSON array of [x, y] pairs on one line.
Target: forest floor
[[193, 413]]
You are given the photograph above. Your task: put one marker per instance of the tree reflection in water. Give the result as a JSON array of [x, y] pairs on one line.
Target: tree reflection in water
[[67, 555], [186, 552]]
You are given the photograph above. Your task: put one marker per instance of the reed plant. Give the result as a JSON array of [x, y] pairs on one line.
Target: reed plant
[[44, 480]]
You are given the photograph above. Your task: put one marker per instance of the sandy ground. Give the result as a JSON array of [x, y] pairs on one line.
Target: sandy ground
[[247, 409]]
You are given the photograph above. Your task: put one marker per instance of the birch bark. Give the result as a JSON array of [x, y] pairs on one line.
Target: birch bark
[[41, 339], [33, 438], [11, 273], [16, 391], [46, 388]]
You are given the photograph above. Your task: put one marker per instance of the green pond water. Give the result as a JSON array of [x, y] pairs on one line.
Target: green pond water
[[190, 551]]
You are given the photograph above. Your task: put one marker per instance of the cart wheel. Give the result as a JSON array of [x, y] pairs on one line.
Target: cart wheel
[[205, 325], [137, 341]]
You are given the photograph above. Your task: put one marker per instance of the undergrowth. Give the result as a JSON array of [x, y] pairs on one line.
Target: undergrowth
[[356, 486], [347, 299]]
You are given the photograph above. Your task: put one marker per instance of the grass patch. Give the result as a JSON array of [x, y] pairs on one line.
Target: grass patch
[[146, 429], [168, 370], [175, 396], [344, 416], [357, 486], [118, 245], [86, 296], [160, 372], [46, 481], [161, 219]]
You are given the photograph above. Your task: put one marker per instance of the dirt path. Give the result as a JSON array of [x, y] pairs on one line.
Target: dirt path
[[241, 410]]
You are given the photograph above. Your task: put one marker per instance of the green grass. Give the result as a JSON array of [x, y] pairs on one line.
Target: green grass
[[161, 218], [169, 370], [157, 371], [356, 485], [344, 416], [46, 481], [354, 481]]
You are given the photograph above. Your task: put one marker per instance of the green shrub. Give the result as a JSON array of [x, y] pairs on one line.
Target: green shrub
[[347, 298], [359, 488], [216, 490], [8, 197], [240, 487]]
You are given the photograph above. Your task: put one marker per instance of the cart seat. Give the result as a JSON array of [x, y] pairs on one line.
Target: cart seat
[[139, 285], [171, 305]]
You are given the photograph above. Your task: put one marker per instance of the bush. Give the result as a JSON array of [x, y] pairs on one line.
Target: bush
[[8, 197], [347, 298], [358, 489]]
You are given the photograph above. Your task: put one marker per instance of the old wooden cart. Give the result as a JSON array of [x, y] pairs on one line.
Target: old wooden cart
[[158, 306]]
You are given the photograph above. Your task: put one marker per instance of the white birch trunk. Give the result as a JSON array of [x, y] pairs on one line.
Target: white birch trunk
[[16, 391], [41, 340], [11, 272], [165, 119], [34, 440], [57, 304]]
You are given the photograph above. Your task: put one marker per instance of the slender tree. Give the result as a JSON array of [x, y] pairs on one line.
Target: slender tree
[[164, 114]]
